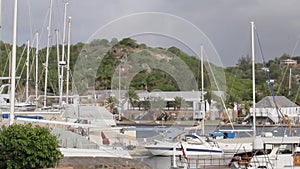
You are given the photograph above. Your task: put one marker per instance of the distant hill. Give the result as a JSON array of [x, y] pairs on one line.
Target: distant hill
[[147, 68]]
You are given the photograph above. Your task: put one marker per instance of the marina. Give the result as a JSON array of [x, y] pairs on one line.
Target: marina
[[118, 102], [163, 162]]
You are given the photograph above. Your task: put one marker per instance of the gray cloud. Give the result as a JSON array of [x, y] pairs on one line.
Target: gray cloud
[[225, 22]]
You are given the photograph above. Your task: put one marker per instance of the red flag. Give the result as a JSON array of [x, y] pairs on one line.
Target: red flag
[[183, 152]]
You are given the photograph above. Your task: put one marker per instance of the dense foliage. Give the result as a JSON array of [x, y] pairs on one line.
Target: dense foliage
[[105, 59], [239, 79], [25, 146]]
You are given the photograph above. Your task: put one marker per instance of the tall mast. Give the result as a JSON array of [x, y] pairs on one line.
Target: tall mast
[[27, 71], [63, 54], [290, 81], [202, 91], [13, 66], [202, 75], [68, 61], [36, 67], [0, 22], [47, 54], [58, 65], [253, 77]]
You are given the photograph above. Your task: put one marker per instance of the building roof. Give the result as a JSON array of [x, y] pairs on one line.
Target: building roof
[[169, 96], [282, 101], [288, 60], [166, 95]]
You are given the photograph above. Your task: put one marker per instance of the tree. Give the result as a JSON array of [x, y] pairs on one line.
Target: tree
[[179, 102], [26, 146], [244, 63], [244, 60], [285, 56], [132, 96], [128, 42], [111, 102], [157, 103]]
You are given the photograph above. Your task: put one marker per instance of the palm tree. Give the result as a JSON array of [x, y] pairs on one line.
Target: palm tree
[[157, 103], [132, 96], [179, 102], [111, 102]]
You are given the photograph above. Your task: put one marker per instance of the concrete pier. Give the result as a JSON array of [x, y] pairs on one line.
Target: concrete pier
[[101, 163]]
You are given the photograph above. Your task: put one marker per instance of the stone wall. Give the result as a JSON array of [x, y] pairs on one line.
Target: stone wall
[[101, 163]]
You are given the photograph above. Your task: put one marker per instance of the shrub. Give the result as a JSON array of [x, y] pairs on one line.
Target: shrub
[[26, 146]]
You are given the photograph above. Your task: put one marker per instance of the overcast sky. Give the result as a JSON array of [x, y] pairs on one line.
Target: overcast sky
[[225, 22]]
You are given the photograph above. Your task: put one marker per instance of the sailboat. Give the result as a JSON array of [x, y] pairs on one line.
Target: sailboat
[[243, 146], [85, 148], [269, 151], [227, 141], [5, 101]]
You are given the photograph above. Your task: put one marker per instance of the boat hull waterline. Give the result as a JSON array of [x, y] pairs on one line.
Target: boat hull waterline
[[169, 149]]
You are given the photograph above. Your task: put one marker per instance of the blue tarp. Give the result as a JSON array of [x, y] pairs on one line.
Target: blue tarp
[[225, 135], [230, 135], [217, 134], [27, 117]]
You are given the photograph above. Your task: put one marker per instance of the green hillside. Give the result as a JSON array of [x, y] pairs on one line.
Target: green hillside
[[98, 63]]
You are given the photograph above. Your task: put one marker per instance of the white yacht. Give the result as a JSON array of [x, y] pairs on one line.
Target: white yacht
[[192, 144]]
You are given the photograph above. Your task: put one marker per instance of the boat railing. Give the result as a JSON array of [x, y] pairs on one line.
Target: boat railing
[[204, 161]]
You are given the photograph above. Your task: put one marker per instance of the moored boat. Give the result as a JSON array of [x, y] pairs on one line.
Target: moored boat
[[272, 152], [19, 106], [192, 144]]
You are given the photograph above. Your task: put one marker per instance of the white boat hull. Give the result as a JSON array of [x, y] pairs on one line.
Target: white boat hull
[[236, 145], [169, 149], [18, 107]]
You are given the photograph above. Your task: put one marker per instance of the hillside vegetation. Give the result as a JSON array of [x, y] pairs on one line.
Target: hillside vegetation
[[99, 64]]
